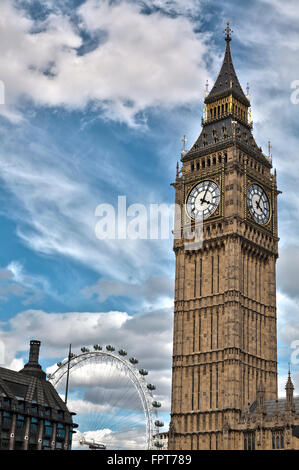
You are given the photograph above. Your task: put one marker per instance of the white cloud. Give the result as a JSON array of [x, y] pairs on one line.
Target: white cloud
[[131, 439], [142, 62], [100, 392], [145, 336]]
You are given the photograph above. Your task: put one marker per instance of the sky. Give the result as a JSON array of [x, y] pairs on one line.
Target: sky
[[98, 95]]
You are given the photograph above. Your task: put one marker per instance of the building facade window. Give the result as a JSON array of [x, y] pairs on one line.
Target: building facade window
[[249, 441], [277, 440]]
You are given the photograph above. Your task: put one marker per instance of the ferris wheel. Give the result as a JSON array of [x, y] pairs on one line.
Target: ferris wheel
[[113, 401]]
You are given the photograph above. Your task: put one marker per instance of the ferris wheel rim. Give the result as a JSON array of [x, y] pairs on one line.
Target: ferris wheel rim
[[139, 383]]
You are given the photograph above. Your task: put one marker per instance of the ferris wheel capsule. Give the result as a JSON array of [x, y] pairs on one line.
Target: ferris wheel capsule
[[156, 404], [143, 372], [84, 350], [110, 348], [97, 347], [158, 444], [151, 387], [133, 360], [122, 352], [159, 424]]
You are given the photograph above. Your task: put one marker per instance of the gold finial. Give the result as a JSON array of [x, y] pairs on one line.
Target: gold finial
[[248, 90], [184, 140], [228, 32], [269, 148], [207, 87]]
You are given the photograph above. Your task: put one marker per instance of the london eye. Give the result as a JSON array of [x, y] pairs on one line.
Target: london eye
[[112, 398]]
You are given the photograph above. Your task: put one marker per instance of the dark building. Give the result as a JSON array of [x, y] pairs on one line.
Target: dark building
[[32, 414]]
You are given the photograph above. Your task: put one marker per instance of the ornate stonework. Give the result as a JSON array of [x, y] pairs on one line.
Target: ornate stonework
[[224, 380]]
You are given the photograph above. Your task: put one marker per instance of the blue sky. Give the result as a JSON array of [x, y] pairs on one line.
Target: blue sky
[[98, 95]]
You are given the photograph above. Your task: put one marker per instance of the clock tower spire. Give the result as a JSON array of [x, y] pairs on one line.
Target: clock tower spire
[[224, 342]]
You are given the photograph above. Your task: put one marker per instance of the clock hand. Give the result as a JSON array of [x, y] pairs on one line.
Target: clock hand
[[204, 198], [259, 207]]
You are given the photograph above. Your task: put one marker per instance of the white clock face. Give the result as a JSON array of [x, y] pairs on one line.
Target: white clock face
[[258, 204], [203, 200]]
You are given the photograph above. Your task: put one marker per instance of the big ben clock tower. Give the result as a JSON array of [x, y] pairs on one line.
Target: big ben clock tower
[[224, 343]]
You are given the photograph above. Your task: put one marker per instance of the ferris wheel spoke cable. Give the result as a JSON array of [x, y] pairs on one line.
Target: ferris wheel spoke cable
[[136, 417], [116, 403], [132, 395], [124, 418], [126, 414]]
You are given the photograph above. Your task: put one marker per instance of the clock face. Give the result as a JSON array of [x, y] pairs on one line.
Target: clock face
[[258, 204], [203, 200]]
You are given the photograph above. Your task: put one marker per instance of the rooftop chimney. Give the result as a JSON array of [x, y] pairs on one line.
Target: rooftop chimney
[[33, 367]]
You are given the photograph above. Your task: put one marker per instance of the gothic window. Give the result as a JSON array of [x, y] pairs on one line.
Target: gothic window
[[277, 440], [249, 440]]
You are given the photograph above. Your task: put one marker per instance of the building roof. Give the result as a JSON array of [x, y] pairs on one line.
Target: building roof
[[227, 81], [273, 406], [30, 385], [227, 129], [225, 134], [17, 385]]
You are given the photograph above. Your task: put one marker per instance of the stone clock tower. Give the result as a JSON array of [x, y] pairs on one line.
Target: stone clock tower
[[224, 343]]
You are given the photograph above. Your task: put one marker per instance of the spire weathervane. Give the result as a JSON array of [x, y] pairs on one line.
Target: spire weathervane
[[269, 148], [228, 32], [207, 88], [184, 140]]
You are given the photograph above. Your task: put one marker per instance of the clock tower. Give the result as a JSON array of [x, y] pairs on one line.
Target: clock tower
[[224, 341]]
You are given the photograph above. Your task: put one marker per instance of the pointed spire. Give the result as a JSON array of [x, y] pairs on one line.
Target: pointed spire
[[289, 405], [227, 81]]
